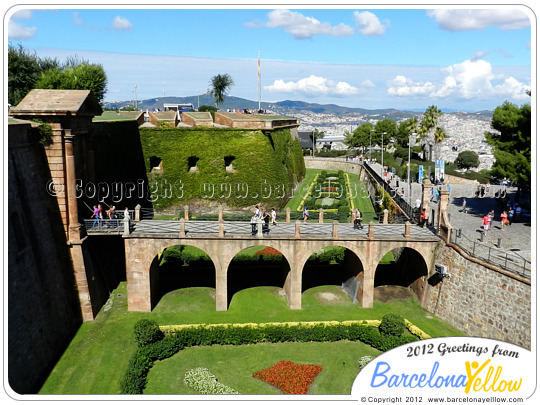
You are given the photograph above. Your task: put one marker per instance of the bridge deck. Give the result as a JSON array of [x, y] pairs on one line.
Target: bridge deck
[[232, 229]]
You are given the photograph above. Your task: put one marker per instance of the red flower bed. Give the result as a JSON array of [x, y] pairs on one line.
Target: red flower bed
[[268, 251], [289, 377], [330, 188]]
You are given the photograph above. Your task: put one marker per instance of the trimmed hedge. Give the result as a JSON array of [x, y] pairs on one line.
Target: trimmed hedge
[[176, 338]]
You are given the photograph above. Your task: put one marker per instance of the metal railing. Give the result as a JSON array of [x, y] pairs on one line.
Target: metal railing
[[400, 202], [510, 261]]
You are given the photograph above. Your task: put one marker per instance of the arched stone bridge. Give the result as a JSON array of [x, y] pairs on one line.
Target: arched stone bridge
[[221, 241]]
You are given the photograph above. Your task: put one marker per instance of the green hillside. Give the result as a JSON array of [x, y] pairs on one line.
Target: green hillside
[[235, 167]]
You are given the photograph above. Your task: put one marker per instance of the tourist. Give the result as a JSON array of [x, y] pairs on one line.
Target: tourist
[[253, 221], [504, 219], [423, 218], [491, 215], [100, 214], [464, 206], [486, 222], [257, 211], [510, 218], [111, 215], [126, 213], [95, 215], [273, 214], [305, 214], [418, 203], [358, 219], [518, 213], [266, 219]]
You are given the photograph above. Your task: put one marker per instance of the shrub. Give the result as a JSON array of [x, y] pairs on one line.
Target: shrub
[[392, 325], [146, 332]]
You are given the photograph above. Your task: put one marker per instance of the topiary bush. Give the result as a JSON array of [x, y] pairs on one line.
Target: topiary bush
[[146, 332], [392, 325]]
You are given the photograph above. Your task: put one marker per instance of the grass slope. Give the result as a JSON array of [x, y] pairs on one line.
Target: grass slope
[[97, 357]]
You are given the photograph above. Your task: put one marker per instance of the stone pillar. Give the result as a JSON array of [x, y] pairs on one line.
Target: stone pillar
[[335, 229], [287, 215], [138, 275], [74, 226], [220, 214], [186, 213], [443, 206], [407, 229], [371, 230], [221, 288], [321, 215], [260, 223], [385, 217], [221, 230], [426, 191], [182, 228], [137, 212], [297, 229]]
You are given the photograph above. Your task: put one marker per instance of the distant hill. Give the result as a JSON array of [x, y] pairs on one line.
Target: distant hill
[[287, 107]]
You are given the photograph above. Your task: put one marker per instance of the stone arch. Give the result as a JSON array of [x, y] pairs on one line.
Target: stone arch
[[242, 275], [351, 275], [172, 275], [410, 270]]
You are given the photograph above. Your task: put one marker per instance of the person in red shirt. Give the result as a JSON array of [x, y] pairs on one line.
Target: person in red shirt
[[486, 220]]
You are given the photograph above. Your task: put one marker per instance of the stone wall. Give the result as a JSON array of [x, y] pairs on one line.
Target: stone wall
[[332, 164], [43, 304], [482, 301]]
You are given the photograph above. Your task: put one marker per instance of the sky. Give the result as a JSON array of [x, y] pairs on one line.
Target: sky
[[401, 57]]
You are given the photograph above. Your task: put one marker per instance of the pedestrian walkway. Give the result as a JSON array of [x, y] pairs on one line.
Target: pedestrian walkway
[[515, 238]]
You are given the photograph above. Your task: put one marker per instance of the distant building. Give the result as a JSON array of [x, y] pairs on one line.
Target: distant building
[[179, 108], [306, 139]]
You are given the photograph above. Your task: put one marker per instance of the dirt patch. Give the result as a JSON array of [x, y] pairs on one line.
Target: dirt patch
[[329, 298], [387, 293]]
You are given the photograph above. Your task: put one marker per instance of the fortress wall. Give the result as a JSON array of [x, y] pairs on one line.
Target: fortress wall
[[329, 164], [481, 301], [43, 304]]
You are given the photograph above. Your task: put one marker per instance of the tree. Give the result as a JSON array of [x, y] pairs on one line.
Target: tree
[[512, 146], [24, 69], [405, 129], [427, 130], [84, 76], [219, 86], [385, 130], [467, 159], [360, 138]]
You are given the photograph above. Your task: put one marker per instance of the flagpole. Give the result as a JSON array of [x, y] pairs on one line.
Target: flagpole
[[259, 77]]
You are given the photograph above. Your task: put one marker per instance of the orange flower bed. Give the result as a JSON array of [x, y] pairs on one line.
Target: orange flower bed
[[289, 377], [268, 251]]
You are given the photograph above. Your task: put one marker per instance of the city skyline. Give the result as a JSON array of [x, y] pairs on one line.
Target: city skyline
[[466, 59]]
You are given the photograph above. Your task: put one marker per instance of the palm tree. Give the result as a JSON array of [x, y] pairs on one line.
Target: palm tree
[[427, 128], [440, 135], [219, 86]]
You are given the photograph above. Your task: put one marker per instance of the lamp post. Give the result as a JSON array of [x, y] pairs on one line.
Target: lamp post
[[382, 162], [370, 145], [412, 138]]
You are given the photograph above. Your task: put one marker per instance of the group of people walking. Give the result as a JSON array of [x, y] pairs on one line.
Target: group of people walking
[[265, 217], [97, 214]]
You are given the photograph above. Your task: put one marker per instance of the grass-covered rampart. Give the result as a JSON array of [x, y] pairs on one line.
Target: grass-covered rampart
[[237, 168]]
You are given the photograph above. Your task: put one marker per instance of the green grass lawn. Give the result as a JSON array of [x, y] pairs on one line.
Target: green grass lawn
[[97, 357]]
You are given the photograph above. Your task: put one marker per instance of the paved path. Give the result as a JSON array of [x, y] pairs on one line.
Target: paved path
[[515, 238]]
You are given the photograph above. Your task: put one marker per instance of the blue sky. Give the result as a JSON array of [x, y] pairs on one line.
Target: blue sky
[[384, 57]]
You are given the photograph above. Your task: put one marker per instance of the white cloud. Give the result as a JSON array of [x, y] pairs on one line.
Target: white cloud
[[20, 32], [22, 15], [471, 79], [302, 27], [77, 20], [367, 84], [479, 55], [368, 24], [401, 86], [313, 86], [120, 23], [465, 20]]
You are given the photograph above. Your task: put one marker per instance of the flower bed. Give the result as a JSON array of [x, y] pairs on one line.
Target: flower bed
[[289, 377], [204, 382]]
